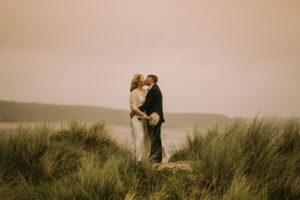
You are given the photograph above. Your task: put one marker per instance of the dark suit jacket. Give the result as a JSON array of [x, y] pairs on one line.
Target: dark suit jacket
[[153, 103]]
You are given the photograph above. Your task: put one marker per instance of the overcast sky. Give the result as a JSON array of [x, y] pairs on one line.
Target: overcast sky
[[231, 57]]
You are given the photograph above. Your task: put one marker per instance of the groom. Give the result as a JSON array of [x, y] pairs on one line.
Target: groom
[[153, 103]]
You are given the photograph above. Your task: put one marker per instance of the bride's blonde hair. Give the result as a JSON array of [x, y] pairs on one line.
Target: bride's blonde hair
[[135, 81]]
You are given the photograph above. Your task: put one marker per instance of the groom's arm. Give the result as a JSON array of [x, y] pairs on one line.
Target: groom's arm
[[148, 101]]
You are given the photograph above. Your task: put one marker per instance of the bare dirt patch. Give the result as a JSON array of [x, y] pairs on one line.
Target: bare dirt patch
[[181, 165]]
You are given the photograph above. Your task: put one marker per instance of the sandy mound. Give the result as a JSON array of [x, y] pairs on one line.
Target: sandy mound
[[181, 165]]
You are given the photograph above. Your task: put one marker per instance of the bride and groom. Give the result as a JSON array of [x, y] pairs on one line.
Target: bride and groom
[[144, 104]]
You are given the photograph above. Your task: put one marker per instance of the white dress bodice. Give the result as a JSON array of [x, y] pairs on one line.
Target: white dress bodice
[[137, 98]]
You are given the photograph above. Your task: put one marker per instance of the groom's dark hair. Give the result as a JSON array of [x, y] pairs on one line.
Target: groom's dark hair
[[153, 77]]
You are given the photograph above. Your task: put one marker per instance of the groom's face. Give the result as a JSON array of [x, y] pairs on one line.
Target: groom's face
[[148, 81]]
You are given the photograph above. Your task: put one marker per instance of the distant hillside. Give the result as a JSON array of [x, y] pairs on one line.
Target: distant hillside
[[15, 111]]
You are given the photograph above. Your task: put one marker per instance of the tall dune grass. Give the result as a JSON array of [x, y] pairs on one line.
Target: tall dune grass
[[79, 162], [260, 158], [256, 160]]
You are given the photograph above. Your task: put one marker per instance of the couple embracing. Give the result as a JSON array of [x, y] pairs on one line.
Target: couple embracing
[[146, 118]]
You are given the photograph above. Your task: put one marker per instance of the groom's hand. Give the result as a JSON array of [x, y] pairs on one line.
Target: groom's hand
[[131, 114]]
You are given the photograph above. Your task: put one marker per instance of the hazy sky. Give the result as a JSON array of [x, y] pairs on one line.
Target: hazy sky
[[231, 57]]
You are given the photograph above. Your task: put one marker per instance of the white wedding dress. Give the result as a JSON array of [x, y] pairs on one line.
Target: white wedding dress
[[140, 142]]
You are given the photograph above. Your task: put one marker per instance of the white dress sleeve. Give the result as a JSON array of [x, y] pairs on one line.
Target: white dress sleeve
[[133, 100]]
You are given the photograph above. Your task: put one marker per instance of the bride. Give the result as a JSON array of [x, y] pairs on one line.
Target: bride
[[137, 124], [141, 142]]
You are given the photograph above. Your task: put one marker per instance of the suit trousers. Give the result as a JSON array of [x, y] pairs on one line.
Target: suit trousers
[[156, 145]]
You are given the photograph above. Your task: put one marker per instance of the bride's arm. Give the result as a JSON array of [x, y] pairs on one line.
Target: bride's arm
[[140, 113], [134, 108]]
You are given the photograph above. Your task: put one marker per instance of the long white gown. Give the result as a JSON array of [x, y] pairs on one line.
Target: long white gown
[[140, 142]]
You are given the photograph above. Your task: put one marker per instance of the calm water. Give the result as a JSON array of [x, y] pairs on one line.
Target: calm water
[[171, 137]]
